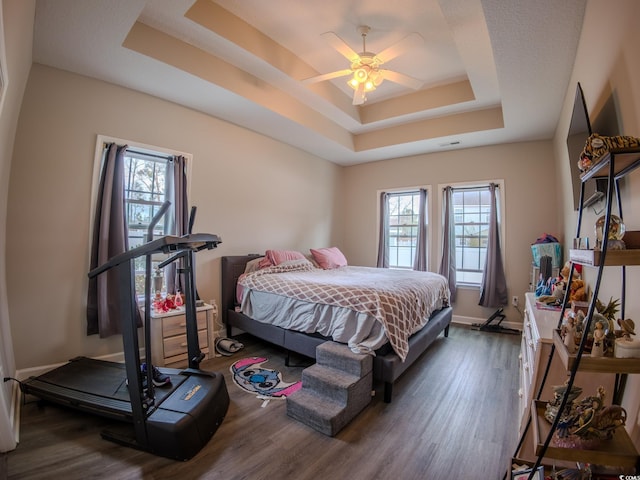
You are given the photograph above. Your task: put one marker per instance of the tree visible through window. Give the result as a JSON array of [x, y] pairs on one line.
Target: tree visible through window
[[145, 192], [471, 208], [402, 233]]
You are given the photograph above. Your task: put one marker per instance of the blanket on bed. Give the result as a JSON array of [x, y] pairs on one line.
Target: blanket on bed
[[401, 300]]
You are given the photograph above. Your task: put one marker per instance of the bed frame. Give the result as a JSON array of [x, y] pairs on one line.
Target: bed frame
[[387, 366]]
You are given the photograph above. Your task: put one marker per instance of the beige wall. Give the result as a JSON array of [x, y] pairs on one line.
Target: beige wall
[[607, 65], [16, 33], [524, 167], [254, 192]]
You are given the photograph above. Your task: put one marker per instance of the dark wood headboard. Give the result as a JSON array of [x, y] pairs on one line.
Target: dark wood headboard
[[231, 268]]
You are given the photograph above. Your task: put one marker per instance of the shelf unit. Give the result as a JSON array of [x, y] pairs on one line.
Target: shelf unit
[[620, 451]]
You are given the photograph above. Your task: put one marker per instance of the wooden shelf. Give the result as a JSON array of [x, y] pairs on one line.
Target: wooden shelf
[[625, 161], [594, 364], [519, 461], [617, 451], [612, 258]]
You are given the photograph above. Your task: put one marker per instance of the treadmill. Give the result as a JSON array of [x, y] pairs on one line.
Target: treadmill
[[174, 422]]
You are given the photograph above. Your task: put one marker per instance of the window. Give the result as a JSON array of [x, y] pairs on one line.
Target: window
[[148, 180], [402, 232], [471, 207]]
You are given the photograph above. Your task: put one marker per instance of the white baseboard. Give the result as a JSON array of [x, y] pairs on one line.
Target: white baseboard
[[469, 321], [25, 373]]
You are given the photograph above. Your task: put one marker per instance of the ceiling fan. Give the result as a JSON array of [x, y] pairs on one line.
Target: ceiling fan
[[365, 70]]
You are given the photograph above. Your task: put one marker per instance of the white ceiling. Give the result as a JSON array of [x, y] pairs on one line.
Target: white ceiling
[[493, 71]]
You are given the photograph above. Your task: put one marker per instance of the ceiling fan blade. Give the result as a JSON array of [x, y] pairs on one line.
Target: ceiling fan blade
[[340, 45], [328, 76], [359, 96], [402, 79], [410, 41]]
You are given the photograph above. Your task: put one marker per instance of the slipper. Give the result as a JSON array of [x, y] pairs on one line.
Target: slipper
[[227, 346]]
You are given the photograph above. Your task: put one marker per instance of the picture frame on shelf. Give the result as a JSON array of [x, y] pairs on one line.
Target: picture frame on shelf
[[524, 474]]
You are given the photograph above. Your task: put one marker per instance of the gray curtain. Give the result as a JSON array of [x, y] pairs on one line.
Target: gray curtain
[[383, 247], [493, 292], [420, 260], [448, 261], [110, 238], [177, 222]]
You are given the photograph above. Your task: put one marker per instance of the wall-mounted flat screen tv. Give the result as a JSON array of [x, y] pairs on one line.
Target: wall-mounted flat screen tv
[[579, 131]]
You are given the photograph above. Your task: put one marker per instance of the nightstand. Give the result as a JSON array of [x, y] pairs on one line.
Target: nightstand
[[169, 336]]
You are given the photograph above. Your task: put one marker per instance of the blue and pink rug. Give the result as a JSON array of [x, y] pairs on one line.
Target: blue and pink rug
[[252, 377]]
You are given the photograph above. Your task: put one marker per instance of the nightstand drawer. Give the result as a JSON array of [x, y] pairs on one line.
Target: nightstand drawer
[[176, 325], [178, 345]]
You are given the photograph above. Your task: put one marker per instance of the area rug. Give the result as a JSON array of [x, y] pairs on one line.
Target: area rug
[[250, 376]]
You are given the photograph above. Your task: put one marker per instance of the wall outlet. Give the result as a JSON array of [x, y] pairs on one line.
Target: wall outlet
[[514, 300]]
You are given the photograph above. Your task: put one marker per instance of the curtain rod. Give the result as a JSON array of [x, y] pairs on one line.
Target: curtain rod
[[146, 154], [472, 188], [138, 152]]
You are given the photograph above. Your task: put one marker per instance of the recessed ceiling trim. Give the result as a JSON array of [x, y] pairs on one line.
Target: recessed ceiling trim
[[427, 99], [243, 35], [475, 121], [172, 51]]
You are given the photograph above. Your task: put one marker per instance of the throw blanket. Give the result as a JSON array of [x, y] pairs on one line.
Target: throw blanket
[[401, 300]]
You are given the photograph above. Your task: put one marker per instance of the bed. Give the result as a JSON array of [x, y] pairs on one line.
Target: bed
[[389, 362]]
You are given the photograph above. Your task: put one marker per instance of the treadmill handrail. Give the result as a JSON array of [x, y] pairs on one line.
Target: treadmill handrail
[[166, 244]]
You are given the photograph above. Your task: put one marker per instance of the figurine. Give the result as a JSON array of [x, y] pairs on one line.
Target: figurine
[[178, 300], [597, 350], [585, 423], [627, 327], [569, 334]]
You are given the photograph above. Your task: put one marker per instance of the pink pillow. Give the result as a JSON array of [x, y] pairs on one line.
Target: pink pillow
[[329, 258], [276, 257]]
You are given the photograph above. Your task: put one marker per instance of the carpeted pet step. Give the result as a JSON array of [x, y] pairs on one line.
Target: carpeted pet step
[[319, 413], [316, 411], [334, 390], [339, 356], [331, 383]]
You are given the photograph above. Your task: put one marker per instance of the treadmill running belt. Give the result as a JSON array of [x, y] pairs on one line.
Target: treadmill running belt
[[96, 382]]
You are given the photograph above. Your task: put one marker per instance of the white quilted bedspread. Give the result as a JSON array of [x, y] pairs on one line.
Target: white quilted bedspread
[[401, 300]]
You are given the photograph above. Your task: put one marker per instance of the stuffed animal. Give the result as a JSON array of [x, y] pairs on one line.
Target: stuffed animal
[[577, 287], [596, 146]]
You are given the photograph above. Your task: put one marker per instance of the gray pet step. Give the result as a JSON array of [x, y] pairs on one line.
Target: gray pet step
[[318, 412], [339, 356], [329, 382]]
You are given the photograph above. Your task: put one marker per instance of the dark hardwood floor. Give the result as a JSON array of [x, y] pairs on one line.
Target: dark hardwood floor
[[453, 416]]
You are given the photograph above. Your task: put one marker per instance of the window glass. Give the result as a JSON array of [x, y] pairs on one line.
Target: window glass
[[402, 232], [471, 216], [145, 192]]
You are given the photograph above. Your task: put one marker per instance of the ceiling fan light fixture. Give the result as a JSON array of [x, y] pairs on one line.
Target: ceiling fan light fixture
[[366, 78], [376, 78], [361, 75], [368, 85]]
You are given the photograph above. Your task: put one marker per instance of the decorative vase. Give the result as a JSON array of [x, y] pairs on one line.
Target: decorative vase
[[616, 231]]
